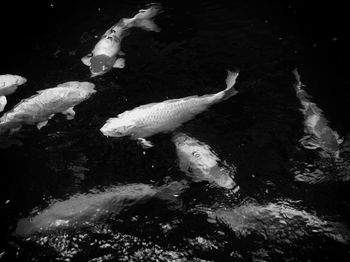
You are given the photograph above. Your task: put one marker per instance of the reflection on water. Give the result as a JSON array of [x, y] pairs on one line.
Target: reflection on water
[[102, 244]]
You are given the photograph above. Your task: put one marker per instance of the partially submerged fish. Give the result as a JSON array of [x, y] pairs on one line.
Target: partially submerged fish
[[322, 171], [38, 109], [318, 133], [150, 119], [278, 222], [96, 206], [104, 55], [9, 85], [201, 163]]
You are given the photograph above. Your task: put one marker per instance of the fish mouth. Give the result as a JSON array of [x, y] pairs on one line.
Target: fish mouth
[[235, 188], [105, 132], [109, 133], [95, 73], [180, 138], [231, 185]]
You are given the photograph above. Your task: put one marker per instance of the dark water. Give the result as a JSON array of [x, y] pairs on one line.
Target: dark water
[[284, 209]]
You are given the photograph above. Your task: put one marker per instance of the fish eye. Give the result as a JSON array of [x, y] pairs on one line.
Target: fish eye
[[196, 154]]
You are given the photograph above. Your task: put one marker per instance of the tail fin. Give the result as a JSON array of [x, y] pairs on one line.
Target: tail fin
[[230, 82], [169, 193], [174, 189], [144, 18], [298, 84]]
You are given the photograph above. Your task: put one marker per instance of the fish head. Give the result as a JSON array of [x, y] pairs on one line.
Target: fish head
[[21, 80], [117, 127], [101, 64], [180, 139], [10, 83]]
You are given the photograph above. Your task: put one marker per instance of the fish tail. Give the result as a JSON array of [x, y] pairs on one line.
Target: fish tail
[[298, 84], [230, 89], [170, 193], [144, 18], [174, 188]]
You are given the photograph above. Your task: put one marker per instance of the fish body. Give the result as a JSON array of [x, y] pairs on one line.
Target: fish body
[[8, 85], [38, 109], [316, 126], [278, 222], [201, 163], [150, 119], [104, 56], [95, 206]]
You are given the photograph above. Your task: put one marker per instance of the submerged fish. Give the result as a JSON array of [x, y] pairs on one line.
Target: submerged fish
[[201, 163], [9, 85], [318, 133], [38, 109], [86, 209], [277, 222], [322, 170], [147, 120], [104, 55]]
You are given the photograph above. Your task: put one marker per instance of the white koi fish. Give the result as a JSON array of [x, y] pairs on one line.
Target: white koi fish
[[318, 133], [38, 109], [104, 55], [9, 85], [95, 206], [150, 119], [201, 163]]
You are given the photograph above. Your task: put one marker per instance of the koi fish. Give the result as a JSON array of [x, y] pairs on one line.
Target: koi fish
[[201, 163], [278, 222], [150, 119], [39, 108], [95, 206], [318, 133], [9, 85], [105, 54]]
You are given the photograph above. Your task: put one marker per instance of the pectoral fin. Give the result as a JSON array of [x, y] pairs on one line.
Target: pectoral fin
[[309, 142], [145, 144], [3, 102], [69, 113], [119, 63], [121, 53], [42, 124], [86, 60]]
